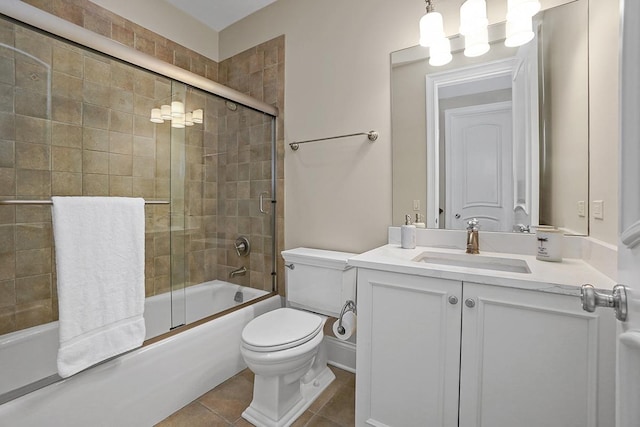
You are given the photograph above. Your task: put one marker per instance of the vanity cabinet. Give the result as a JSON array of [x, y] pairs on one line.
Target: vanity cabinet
[[436, 352]]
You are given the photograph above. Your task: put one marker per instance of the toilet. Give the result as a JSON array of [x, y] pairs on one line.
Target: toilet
[[284, 347]]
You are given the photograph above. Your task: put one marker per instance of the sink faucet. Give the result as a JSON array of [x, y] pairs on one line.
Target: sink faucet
[[473, 245], [238, 272]]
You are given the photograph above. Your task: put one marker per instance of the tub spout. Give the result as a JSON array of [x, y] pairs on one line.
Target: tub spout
[[238, 272]]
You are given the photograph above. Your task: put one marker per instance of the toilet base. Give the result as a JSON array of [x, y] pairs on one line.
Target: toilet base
[[309, 392]]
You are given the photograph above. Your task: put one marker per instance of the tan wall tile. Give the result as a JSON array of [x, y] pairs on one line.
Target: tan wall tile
[[68, 61], [66, 183], [33, 262], [97, 70], [66, 159], [121, 186], [33, 182], [66, 110], [66, 135], [95, 162], [32, 289], [32, 104], [33, 236], [95, 185], [95, 139], [7, 154]]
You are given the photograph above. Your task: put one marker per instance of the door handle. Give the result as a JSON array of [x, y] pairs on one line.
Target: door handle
[[617, 300], [262, 202]]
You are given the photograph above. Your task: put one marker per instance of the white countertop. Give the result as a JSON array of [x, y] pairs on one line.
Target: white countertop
[[564, 277]]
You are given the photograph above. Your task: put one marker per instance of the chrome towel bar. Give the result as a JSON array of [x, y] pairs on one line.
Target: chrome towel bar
[[372, 135], [49, 202]]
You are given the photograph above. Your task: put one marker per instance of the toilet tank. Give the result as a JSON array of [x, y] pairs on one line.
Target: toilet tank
[[320, 281]]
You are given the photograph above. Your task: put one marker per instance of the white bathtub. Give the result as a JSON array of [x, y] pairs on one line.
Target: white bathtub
[[139, 388]]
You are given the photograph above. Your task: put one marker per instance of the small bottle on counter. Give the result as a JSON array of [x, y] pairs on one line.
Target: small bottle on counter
[[419, 223], [408, 234], [549, 243]]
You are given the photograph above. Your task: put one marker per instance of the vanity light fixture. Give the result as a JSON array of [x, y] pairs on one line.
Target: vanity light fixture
[[156, 116], [440, 52], [431, 26], [519, 31], [165, 112], [473, 26], [520, 21], [176, 114]]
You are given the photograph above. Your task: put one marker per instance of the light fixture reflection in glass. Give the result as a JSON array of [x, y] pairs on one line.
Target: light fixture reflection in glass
[[198, 115], [440, 52], [177, 109], [178, 122], [165, 112], [519, 31], [188, 119], [156, 116], [520, 8], [431, 26]]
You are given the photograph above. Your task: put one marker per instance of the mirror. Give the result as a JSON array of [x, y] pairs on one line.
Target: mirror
[[502, 137]]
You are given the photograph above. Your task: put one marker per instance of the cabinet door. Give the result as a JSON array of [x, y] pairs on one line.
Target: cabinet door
[[408, 350], [534, 359]]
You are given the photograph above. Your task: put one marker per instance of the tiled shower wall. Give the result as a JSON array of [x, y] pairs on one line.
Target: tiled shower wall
[[258, 72], [72, 123], [120, 152]]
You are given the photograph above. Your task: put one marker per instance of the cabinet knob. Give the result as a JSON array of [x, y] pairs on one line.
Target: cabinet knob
[[469, 302], [453, 299]]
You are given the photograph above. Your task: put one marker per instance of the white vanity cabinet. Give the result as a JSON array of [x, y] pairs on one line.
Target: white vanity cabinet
[[498, 357]]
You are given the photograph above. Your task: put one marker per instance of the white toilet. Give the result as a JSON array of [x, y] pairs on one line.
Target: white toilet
[[284, 347]]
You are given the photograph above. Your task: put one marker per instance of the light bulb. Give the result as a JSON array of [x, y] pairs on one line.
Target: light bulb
[[156, 116], [473, 16], [197, 115], [165, 112], [519, 31], [476, 43], [431, 28], [178, 122], [440, 52], [177, 109]]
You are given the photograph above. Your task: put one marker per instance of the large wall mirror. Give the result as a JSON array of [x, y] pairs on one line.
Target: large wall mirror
[[503, 137]]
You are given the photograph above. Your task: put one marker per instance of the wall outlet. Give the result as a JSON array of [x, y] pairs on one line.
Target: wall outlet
[[581, 206], [598, 209], [416, 205]]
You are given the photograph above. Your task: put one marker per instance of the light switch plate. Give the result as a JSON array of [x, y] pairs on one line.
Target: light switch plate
[[581, 206], [598, 209], [416, 205]]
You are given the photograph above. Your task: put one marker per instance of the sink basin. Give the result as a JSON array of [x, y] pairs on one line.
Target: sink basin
[[474, 261]]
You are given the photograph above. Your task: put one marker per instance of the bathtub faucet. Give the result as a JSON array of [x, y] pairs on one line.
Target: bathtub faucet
[[238, 272]]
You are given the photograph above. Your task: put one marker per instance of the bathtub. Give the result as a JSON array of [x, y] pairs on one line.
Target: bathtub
[[141, 387]]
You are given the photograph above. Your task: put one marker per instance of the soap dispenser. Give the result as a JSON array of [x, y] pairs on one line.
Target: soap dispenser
[[408, 234], [419, 223]]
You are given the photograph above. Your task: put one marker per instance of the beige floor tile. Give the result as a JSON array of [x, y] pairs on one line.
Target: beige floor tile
[[193, 415], [341, 407], [230, 398]]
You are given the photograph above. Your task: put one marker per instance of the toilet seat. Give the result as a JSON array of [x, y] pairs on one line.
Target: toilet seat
[[281, 329]]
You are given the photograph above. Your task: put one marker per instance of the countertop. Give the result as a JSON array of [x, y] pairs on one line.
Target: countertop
[[564, 277]]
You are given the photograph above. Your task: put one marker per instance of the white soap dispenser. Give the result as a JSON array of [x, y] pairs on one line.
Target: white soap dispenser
[[419, 223], [408, 234]]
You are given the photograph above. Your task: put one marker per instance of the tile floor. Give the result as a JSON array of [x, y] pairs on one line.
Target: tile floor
[[223, 405]]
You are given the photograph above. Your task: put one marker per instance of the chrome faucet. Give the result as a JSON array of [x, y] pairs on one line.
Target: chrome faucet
[[238, 272], [473, 244]]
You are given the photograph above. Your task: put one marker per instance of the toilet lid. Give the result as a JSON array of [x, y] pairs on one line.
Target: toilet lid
[[281, 329]]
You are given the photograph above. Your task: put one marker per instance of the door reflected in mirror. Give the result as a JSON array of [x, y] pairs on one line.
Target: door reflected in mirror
[[502, 137]]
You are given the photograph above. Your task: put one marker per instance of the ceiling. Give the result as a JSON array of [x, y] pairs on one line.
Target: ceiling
[[219, 14]]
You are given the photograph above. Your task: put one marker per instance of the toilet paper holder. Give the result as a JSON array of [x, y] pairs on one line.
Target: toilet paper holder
[[348, 306]]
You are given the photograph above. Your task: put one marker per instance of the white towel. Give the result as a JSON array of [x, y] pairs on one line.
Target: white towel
[[99, 243]]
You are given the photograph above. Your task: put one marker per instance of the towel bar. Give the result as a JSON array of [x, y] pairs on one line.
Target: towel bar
[[49, 202]]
